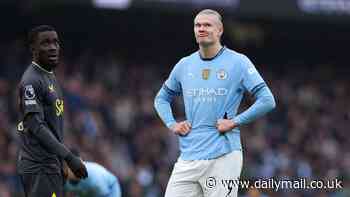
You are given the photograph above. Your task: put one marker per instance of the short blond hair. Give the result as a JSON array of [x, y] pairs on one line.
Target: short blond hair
[[211, 12]]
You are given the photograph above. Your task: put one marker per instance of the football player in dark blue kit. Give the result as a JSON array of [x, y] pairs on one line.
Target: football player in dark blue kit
[[42, 151]]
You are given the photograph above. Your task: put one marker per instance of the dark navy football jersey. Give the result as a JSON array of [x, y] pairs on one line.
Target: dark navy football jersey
[[39, 93]]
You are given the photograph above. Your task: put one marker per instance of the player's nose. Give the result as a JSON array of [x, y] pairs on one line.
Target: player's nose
[[201, 29], [53, 47]]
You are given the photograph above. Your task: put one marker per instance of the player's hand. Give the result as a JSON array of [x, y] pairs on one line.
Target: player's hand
[[77, 166], [224, 125], [181, 128], [65, 170], [69, 175]]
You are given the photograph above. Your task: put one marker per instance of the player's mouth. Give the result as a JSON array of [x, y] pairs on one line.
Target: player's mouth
[[53, 57], [203, 35]]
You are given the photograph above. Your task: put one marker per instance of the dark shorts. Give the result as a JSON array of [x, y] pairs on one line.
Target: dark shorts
[[42, 185]]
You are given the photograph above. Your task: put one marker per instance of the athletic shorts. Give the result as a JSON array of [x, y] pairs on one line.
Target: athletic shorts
[[42, 185], [206, 178]]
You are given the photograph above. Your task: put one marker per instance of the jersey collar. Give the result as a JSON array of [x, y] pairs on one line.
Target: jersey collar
[[217, 55], [41, 68]]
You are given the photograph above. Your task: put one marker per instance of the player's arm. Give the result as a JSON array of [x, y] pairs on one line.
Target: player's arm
[[164, 98], [264, 100], [162, 104], [264, 103], [34, 123]]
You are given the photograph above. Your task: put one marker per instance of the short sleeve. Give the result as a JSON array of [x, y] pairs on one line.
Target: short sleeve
[[252, 80], [174, 82], [30, 97]]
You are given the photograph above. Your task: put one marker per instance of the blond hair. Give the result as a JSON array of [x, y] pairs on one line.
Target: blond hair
[[211, 12]]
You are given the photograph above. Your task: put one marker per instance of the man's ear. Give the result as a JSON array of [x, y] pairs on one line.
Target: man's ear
[[221, 31]]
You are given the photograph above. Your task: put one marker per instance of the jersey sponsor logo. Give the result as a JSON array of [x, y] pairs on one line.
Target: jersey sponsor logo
[[51, 88], [221, 74], [30, 102], [29, 92], [207, 92], [208, 95], [59, 107], [205, 73]]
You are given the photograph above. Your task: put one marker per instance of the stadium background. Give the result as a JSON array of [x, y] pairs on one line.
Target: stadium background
[[115, 59]]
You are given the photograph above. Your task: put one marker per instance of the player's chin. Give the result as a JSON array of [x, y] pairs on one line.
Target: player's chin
[[201, 40], [53, 63], [204, 43]]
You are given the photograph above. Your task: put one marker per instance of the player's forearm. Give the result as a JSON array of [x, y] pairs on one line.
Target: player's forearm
[[162, 105], [264, 103], [38, 128]]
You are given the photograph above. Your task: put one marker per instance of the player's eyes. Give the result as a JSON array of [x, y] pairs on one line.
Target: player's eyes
[[45, 43], [48, 42], [203, 25]]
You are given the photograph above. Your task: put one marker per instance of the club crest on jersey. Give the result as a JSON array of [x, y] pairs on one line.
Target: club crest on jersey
[[221, 74], [51, 88], [205, 73], [29, 92]]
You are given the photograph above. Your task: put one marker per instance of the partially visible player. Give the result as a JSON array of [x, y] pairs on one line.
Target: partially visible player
[[42, 152], [100, 183], [212, 82]]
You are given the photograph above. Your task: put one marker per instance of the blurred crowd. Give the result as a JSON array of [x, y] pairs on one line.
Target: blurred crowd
[[109, 117]]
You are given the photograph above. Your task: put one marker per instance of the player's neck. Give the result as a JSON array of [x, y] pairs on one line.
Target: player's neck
[[208, 52], [43, 67]]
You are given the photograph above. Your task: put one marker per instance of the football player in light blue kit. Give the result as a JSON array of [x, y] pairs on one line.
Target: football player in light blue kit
[[212, 82], [100, 183]]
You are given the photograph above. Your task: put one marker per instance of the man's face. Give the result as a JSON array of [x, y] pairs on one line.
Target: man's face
[[46, 48], [207, 29]]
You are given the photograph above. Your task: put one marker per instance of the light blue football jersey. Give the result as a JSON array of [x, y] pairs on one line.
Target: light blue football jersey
[[210, 88], [100, 181]]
